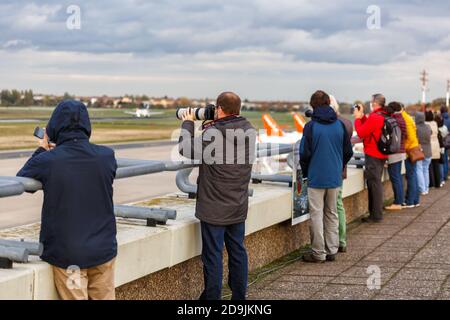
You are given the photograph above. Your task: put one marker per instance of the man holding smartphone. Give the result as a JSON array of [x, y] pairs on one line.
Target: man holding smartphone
[[78, 228]]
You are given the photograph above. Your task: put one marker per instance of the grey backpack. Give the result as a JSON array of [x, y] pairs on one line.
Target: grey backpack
[[391, 136]]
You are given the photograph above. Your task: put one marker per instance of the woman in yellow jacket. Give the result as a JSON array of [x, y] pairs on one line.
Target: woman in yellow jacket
[[412, 198]]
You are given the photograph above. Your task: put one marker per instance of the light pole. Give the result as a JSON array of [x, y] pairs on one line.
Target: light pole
[[424, 80], [447, 101]]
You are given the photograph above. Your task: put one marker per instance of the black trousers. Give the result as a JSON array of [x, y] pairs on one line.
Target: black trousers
[[435, 174], [373, 174]]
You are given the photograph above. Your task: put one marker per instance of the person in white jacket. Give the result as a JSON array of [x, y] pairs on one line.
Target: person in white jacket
[[435, 170]]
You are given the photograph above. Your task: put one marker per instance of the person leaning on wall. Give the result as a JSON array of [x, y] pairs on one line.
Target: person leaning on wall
[[78, 228]]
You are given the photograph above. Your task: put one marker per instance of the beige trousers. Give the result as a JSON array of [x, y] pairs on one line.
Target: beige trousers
[[324, 225], [95, 283]]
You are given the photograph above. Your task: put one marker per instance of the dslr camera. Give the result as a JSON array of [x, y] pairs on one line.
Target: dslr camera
[[206, 113]]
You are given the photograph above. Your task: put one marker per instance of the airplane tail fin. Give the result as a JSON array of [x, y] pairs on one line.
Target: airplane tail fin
[[299, 122], [272, 128]]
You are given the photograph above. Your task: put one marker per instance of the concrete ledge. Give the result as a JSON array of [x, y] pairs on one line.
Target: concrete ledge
[[163, 262]]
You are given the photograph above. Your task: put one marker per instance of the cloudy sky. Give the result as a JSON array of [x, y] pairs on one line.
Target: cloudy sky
[[262, 49]]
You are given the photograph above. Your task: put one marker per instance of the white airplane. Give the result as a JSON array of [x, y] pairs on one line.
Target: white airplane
[[143, 112]]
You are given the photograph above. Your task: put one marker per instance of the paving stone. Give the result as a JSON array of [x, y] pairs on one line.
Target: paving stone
[[344, 292], [443, 296], [423, 274], [365, 240], [355, 280], [315, 269], [361, 272], [411, 248], [381, 264], [387, 297], [434, 255], [352, 256], [279, 295], [295, 286], [305, 279], [424, 265], [412, 283], [391, 256], [403, 288]]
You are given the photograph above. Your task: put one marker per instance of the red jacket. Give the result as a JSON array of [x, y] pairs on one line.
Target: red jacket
[[369, 129]]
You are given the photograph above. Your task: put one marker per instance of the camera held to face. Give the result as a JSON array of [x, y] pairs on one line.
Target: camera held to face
[[206, 113], [356, 106]]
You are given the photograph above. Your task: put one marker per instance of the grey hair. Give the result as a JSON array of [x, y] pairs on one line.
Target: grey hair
[[379, 99]]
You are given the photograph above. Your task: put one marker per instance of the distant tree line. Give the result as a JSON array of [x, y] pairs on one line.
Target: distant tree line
[[16, 98]]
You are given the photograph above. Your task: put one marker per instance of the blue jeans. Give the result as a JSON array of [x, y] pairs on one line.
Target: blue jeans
[[423, 174], [412, 191], [446, 165], [213, 239], [395, 175]]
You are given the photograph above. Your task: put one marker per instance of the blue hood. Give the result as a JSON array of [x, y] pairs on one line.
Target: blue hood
[[324, 115], [69, 121]]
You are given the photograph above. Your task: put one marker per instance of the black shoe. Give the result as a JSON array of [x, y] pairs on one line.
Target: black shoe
[[342, 249], [308, 257], [370, 220], [331, 257]]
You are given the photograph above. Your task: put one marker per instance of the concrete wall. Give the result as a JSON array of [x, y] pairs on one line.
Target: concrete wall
[[163, 262]]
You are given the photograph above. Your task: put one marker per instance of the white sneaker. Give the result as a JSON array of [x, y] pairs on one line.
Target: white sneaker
[[417, 205], [424, 193]]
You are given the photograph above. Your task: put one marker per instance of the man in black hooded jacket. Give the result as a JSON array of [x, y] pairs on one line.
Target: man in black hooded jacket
[[78, 228]]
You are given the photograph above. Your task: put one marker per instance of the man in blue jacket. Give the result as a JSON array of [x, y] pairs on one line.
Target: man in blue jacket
[[78, 228], [325, 150]]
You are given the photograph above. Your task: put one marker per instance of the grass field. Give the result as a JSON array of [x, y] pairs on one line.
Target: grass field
[[119, 126]]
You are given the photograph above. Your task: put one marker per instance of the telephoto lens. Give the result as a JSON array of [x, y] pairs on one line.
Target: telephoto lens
[[206, 113]]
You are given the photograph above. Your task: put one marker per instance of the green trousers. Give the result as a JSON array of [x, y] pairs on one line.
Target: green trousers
[[342, 221]]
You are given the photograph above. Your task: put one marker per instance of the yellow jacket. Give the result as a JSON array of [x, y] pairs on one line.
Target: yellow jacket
[[411, 134]]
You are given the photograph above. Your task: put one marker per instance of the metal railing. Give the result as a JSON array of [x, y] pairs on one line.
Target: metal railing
[[18, 251]]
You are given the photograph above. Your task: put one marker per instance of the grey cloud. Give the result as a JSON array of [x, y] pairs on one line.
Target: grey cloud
[[330, 31]]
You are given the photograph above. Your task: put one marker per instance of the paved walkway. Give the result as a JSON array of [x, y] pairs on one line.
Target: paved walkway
[[411, 249]]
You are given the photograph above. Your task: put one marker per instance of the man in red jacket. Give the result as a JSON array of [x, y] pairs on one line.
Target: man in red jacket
[[369, 129]]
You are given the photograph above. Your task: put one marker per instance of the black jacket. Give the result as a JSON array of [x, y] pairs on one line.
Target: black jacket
[[222, 194], [78, 223]]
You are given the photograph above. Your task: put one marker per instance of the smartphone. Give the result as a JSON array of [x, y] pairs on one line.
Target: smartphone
[[39, 133]]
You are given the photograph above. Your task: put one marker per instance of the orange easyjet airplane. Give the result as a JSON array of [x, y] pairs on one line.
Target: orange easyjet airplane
[[275, 134]]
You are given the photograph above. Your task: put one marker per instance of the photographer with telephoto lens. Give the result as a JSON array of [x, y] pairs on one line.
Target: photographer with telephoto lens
[[222, 190]]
